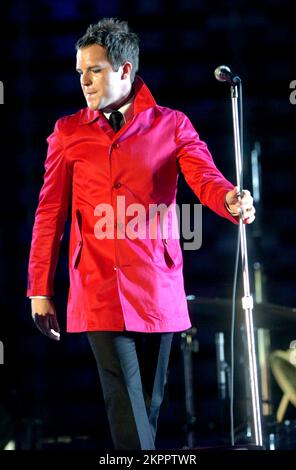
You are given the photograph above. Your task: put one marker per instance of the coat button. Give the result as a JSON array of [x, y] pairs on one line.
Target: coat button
[[115, 267], [115, 146], [165, 241], [117, 185]]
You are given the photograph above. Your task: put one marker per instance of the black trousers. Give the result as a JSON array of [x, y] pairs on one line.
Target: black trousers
[[132, 368]]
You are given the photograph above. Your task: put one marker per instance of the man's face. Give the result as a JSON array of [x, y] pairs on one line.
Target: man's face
[[101, 85]]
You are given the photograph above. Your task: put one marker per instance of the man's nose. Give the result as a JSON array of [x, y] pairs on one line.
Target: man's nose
[[85, 79]]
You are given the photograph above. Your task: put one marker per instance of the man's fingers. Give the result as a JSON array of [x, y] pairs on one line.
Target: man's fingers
[[54, 323], [240, 199], [245, 193], [249, 220], [245, 203], [242, 203], [250, 210], [41, 321], [249, 215], [246, 198], [45, 324], [55, 329], [54, 335]]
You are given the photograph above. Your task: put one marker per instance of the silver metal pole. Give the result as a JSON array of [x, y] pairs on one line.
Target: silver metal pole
[[247, 299]]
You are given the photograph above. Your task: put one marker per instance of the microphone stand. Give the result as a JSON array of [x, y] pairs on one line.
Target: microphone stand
[[247, 299]]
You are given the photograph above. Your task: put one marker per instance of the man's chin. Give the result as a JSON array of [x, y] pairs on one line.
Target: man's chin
[[92, 106]]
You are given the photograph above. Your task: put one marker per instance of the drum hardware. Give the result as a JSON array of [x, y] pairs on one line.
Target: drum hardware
[[281, 436], [263, 343], [223, 368], [189, 345], [214, 314], [283, 366]]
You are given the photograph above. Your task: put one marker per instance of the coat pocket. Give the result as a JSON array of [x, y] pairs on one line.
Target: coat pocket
[[78, 237], [172, 253]]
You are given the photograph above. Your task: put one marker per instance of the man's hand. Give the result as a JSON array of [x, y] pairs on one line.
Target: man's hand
[[243, 204], [45, 318]]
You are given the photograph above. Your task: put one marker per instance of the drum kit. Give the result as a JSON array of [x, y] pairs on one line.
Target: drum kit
[[276, 367]]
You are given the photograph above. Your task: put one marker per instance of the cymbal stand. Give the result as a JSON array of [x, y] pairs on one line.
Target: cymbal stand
[[189, 344], [223, 381]]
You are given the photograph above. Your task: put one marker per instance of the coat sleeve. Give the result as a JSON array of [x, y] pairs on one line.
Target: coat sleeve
[[50, 218], [199, 170]]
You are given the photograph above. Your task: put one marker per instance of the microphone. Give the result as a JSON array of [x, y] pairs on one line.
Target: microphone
[[224, 74]]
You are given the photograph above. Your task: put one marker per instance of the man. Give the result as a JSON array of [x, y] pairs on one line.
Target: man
[[126, 292]]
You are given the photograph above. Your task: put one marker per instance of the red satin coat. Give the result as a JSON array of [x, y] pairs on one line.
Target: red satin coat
[[117, 283]]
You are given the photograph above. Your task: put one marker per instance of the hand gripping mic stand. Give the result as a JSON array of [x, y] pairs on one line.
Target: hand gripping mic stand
[[247, 299]]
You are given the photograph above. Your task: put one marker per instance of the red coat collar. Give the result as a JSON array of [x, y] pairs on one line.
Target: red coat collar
[[142, 101]]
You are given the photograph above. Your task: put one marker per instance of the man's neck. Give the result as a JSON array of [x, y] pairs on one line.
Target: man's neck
[[119, 104]]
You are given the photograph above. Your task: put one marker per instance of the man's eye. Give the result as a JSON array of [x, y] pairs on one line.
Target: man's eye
[[96, 70]]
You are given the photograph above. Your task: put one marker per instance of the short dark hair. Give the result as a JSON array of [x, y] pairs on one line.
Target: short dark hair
[[115, 36]]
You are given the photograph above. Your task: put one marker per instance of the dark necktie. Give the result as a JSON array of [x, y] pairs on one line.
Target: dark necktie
[[116, 120]]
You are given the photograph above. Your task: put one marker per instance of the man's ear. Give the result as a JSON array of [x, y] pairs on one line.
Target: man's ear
[[126, 70]]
